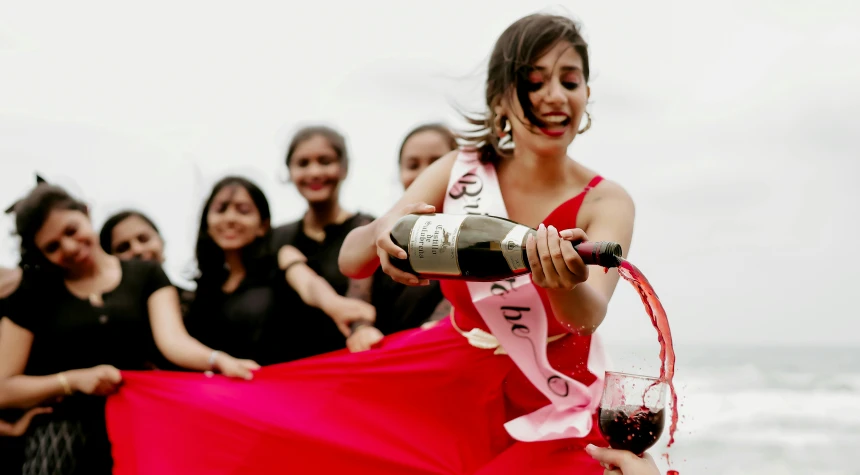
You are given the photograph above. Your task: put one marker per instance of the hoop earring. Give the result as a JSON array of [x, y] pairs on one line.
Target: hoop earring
[[587, 124], [503, 126]]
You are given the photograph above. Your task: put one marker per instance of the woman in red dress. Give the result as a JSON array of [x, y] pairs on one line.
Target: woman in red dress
[[467, 396]]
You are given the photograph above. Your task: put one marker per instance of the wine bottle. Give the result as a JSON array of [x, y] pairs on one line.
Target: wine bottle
[[477, 248]]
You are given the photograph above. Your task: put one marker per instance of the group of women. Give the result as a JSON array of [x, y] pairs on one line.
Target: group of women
[[329, 358]]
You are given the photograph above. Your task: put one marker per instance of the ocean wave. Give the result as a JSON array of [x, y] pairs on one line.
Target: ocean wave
[[778, 438], [789, 417], [752, 377]]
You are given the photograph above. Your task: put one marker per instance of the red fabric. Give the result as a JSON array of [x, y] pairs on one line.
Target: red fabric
[[422, 402], [425, 402]]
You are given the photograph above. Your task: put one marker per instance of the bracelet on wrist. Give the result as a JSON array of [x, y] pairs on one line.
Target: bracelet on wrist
[[64, 382], [213, 357], [287, 267]]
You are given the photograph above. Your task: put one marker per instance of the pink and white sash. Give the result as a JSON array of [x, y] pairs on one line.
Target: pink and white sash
[[514, 313]]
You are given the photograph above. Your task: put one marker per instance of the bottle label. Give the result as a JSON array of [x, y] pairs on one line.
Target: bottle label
[[433, 244], [512, 248]]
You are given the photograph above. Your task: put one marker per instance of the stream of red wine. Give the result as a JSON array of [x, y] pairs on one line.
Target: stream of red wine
[[658, 318]]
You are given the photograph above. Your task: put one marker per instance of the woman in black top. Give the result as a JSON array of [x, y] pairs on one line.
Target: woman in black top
[[130, 234], [250, 299], [13, 422], [317, 160], [77, 319], [400, 307]]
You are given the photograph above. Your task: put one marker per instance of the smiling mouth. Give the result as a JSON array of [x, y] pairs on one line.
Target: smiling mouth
[[557, 126], [556, 120], [80, 257]]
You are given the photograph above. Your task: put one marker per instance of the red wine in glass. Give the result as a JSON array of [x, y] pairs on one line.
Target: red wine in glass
[[632, 411]]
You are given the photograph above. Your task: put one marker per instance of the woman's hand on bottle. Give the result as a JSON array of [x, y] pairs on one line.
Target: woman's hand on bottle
[[385, 247], [553, 260], [101, 380], [364, 338], [345, 311], [234, 367], [622, 462]]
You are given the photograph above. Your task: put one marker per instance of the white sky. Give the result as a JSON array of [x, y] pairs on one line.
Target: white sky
[[731, 124]]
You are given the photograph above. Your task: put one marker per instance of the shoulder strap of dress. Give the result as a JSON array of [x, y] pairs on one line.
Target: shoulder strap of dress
[[591, 184]]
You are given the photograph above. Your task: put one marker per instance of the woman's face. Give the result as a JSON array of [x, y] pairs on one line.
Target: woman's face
[[559, 94], [134, 238], [67, 240], [419, 151], [233, 219], [316, 170]]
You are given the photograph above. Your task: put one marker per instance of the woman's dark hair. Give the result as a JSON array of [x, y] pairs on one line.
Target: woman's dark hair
[[106, 234], [256, 256], [333, 137], [31, 213], [510, 64], [440, 129]]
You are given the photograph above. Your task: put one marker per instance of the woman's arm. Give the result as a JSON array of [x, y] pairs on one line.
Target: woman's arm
[[182, 349], [10, 279], [16, 390], [359, 257], [317, 292], [609, 218], [22, 391]]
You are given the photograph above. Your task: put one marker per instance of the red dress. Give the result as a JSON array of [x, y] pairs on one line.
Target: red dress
[[421, 402]]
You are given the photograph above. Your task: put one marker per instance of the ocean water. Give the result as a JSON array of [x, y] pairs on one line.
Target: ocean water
[[759, 410]]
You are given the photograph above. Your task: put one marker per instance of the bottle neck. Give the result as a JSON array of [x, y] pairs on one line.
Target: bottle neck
[[599, 253], [593, 253]]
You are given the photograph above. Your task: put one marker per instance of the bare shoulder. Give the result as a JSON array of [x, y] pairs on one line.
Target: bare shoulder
[[607, 201], [609, 190], [10, 279]]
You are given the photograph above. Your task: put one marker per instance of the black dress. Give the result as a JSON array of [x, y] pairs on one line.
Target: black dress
[[321, 333], [70, 333], [253, 321], [401, 307]]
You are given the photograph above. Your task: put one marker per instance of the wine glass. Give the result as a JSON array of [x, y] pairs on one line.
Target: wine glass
[[632, 411]]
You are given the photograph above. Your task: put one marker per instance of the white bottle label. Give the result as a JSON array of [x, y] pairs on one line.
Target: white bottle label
[[512, 248], [433, 244]]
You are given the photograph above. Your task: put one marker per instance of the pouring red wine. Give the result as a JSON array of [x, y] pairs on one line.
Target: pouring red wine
[[488, 248]]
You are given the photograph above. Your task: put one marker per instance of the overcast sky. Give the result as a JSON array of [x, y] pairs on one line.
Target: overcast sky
[[733, 125]]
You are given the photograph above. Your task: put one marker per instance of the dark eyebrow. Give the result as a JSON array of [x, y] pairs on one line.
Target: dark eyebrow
[[563, 68]]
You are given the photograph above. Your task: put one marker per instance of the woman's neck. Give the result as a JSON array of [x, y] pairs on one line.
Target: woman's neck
[[320, 215], [100, 261], [533, 170], [233, 260], [236, 269]]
